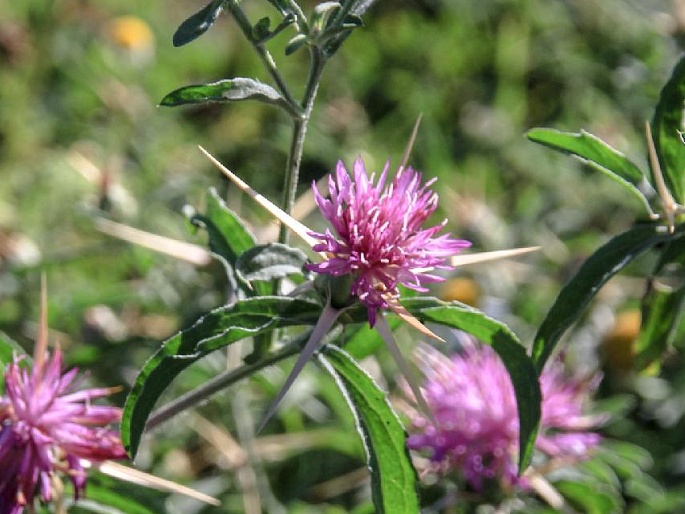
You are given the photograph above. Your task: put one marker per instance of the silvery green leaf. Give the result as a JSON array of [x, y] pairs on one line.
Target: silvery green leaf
[[228, 90]]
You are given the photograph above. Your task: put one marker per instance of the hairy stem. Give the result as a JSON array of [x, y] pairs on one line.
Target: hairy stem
[[268, 61], [196, 396], [292, 172]]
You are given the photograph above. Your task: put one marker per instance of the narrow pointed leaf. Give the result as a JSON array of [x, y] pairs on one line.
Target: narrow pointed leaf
[[227, 90], [198, 23], [667, 127], [608, 260], [508, 347], [270, 261], [219, 328], [596, 153], [393, 478]]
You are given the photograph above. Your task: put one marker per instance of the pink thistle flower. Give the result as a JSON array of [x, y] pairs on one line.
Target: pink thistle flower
[[378, 236], [473, 403], [47, 428]]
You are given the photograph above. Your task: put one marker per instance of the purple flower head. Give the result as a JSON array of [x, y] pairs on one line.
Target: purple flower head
[[472, 400], [45, 428], [378, 236]]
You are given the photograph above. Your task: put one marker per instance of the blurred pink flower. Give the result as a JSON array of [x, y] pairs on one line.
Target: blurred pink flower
[[378, 237], [45, 428], [472, 400]]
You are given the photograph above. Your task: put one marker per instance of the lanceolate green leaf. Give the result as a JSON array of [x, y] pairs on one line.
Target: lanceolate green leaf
[[217, 329], [393, 478], [667, 127], [593, 274], [198, 23], [508, 347], [228, 90], [596, 153]]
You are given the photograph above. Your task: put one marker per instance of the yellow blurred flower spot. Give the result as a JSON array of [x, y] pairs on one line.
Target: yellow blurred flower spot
[[618, 346], [131, 33], [461, 289]]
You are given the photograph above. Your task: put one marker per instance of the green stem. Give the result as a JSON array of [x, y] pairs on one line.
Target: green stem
[[221, 381], [292, 172], [301, 18], [264, 54]]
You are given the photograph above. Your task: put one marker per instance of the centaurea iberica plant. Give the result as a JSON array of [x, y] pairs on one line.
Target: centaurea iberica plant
[[475, 432], [380, 244], [47, 428]]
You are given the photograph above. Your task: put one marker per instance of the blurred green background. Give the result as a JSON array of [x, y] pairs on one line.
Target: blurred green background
[[81, 137]]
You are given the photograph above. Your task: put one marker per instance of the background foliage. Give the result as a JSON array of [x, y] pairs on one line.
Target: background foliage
[[80, 138]]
